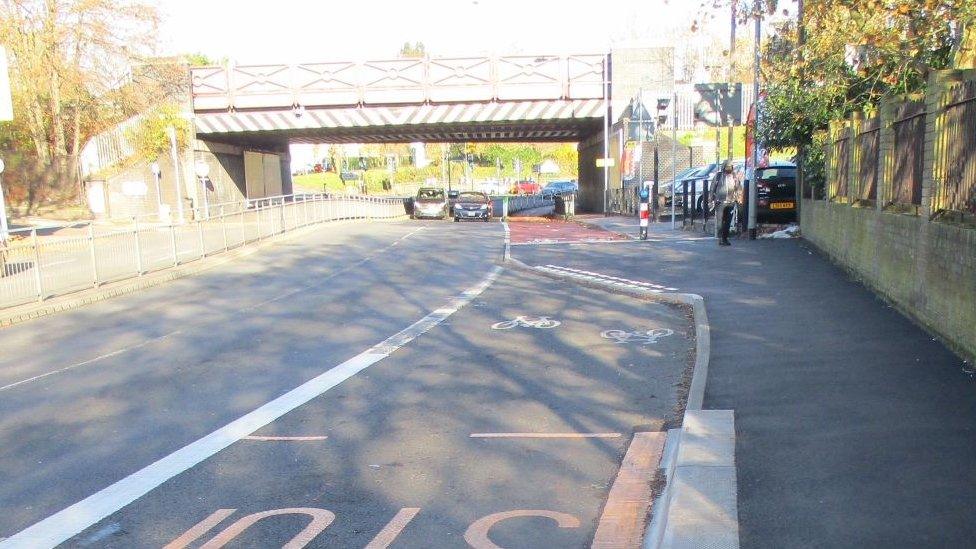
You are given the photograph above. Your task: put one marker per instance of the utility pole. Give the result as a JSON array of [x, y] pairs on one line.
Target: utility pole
[[606, 131], [755, 128], [801, 152], [176, 170], [4, 229], [639, 155], [731, 74], [674, 154]]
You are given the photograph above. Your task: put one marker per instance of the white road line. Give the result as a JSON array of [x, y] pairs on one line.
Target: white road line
[[69, 522], [249, 308], [577, 273], [258, 438], [319, 281], [545, 435], [89, 361]]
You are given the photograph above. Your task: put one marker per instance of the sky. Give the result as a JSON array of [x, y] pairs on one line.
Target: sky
[[297, 31]]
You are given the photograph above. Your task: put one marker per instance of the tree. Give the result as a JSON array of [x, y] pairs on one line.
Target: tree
[[415, 50], [67, 57]]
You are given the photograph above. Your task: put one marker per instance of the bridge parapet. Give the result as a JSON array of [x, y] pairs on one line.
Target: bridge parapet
[[399, 81]]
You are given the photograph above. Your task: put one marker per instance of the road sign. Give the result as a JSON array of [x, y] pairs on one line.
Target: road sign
[[6, 104], [605, 162]]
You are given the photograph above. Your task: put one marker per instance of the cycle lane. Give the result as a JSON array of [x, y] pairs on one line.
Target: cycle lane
[[468, 435]]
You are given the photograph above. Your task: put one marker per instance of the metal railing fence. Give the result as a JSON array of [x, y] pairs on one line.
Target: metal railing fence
[[39, 263]]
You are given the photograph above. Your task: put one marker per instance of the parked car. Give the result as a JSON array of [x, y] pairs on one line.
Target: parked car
[[430, 202], [560, 187], [526, 187], [701, 179], [473, 205], [666, 188], [452, 198], [696, 180], [776, 195]]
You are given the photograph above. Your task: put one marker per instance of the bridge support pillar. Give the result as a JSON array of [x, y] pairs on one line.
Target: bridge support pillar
[[591, 192]]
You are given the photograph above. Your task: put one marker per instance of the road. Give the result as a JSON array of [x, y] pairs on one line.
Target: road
[[407, 401]]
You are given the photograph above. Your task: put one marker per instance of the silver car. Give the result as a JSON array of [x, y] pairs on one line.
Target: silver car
[[430, 202]]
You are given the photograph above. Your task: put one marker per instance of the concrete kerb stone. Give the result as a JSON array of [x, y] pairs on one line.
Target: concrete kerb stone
[[720, 527], [30, 311]]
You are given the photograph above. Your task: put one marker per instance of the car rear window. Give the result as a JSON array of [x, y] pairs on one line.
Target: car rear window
[[430, 194], [777, 173]]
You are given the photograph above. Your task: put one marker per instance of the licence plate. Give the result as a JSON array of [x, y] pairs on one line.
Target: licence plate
[[470, 214], [780, 205]]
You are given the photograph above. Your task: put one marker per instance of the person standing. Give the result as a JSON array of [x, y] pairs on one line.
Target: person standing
[[726, 193]]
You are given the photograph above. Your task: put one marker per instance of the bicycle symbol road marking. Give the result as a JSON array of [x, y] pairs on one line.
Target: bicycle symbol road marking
[[542, 322], [648, 337]]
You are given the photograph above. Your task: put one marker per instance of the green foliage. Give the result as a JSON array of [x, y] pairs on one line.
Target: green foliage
[[855, 53], [151, 137], [417, 49], [200, 60]]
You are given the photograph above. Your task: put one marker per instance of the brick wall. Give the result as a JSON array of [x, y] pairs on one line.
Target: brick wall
[[908, 248], [928, 270]]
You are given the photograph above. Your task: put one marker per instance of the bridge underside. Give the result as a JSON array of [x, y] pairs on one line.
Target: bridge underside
[[568, 120], [429, 133]]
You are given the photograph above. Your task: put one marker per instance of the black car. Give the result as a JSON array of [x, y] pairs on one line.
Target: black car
[[560, 187], [473, 205], [776, 198]]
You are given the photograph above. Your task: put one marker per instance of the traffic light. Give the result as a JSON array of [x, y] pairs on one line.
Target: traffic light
[[662, 110]]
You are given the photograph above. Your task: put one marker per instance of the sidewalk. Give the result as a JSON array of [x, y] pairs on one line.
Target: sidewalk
[[854, 427]]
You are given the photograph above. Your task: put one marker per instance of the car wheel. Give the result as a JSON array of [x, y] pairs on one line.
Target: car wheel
[[457, 219]]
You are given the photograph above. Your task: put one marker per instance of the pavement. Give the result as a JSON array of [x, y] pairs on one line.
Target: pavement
[[854, 427], [362, 384]]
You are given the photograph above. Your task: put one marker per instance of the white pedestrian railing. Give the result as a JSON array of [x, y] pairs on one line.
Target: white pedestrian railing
[[39, 263], [519, 203]]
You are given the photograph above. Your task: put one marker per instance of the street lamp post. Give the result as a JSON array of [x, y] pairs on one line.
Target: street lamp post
[[202, 169], [176, 170], [154, 167]]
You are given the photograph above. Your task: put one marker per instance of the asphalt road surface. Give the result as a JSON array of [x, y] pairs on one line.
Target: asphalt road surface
[[407, 401]]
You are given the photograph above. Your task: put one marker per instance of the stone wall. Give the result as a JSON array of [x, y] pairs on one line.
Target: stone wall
[[926, 269], [905, 240]]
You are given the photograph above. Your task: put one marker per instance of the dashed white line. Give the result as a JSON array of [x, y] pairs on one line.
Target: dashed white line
[[89, 361], [319, 281], [68, 522], [616, 280], [259, 438]]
